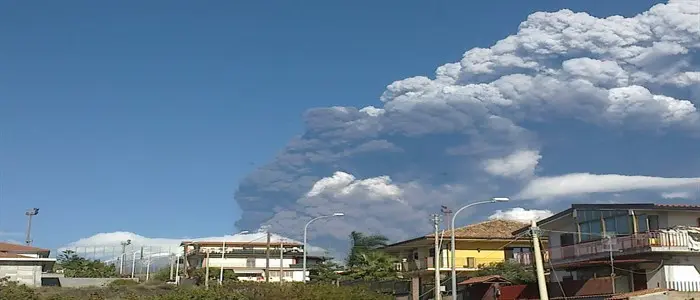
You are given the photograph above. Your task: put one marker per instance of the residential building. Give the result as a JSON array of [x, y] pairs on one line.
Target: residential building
[[643, 246], [476, 245], [24, 264], [249, 259]]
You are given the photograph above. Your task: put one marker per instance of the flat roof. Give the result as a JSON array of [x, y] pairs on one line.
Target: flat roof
[[616, 206]]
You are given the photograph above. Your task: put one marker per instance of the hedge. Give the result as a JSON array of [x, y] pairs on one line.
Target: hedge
[[230, 291]]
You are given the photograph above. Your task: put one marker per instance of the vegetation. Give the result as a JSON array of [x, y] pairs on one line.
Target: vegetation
[[374, 266], [76, 266], [361, 244], [325, 271], [512, 271], [230, 291], [199, 275]]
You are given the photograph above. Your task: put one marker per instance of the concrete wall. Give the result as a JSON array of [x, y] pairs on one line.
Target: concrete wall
[[86, 282], [22, 273]]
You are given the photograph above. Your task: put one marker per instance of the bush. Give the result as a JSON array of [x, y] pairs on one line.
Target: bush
[[230, 291], [123, 282]]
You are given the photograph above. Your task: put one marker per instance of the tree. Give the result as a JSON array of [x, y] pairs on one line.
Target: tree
[[76, 266], [511, 271], [361, 243], [374, 265], [325, 271]]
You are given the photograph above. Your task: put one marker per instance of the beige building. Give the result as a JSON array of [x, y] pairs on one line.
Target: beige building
[[24, 264]]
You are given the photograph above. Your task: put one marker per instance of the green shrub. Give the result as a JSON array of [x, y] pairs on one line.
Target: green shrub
[[230, 291], [123, 282], [13, 291]]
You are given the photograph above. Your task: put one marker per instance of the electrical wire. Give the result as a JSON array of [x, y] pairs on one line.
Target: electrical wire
[[515, 239], [554, 271]]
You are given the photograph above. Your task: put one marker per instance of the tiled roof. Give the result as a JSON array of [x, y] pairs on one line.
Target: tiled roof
[[678, 206], [484, 279], [492, 229], [11, 255], [638, 293], [7, 247]]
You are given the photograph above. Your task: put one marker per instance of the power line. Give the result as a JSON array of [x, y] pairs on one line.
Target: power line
[[515, 239]]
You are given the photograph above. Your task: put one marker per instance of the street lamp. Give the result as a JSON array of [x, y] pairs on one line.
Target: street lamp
[[123, 256], [306, 227], [223, 252], [30, 213], [452, 240]]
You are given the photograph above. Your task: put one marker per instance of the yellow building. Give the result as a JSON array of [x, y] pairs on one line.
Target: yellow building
[[476, 245]]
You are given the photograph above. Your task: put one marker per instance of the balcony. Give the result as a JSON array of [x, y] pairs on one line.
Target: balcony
[[463, 263], [630, 244]]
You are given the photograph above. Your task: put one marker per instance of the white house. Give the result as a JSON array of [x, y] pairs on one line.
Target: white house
[[249, 259]]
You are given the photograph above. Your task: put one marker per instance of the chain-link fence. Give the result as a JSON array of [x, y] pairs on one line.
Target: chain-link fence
[[136, 260]]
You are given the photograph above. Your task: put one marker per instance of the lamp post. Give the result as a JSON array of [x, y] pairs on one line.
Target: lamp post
[[223, 252], [30, 213], [123, 256], [452, 240], [306, 227]]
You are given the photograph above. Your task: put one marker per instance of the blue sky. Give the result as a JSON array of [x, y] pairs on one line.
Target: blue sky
[[145, 117]]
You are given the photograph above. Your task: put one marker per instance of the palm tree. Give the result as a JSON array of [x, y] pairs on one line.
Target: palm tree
[[374, 265], [361, 244]]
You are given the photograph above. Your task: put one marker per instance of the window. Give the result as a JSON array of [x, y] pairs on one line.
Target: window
[[585, 231], [470, 262], [431, 252], [642, 223], [596, 230], [250, 262], [623, 224], [566, 239], [653, 222]]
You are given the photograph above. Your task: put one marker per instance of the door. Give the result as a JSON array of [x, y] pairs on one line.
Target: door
[[639, 280]]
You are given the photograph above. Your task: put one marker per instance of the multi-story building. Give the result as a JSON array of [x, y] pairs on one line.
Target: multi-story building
[[641, 245], [249, 260], [476, 245]]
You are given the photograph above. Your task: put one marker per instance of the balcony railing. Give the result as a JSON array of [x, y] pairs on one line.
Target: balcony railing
[[471, 263], [640, 242]]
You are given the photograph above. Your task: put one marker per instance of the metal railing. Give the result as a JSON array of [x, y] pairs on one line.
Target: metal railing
[[635, 242]]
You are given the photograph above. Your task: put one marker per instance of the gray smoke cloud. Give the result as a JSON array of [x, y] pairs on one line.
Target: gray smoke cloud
[[483, 126]]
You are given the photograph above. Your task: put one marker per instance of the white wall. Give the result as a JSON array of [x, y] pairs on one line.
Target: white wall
[[27, 274], [242, 262], [678, 218]]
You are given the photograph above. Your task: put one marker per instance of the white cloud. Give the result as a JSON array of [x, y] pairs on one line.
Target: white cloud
[[677, 195], [519, 164], [342, 184], [585, 183], [521, 214]]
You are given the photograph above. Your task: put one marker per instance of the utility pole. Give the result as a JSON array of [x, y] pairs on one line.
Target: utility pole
[[30, 213], [221, 265], [267, 257], [281, 261], [206, 273], [612, 261], [436, 225], [172, 267], [539, 267]]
